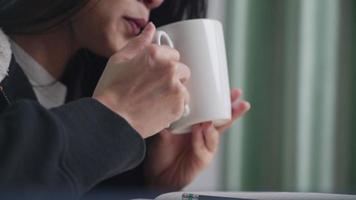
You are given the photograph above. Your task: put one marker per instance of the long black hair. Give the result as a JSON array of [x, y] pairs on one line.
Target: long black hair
[[35, 16], [84, 69], [176, 10]]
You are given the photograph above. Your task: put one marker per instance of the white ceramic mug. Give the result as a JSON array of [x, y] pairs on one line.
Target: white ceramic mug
[[202, 48]]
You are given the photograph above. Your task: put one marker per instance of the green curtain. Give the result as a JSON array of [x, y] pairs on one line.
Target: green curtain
[[296, 61]]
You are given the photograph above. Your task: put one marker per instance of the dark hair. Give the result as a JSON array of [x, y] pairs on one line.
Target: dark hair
[[176, 10], [34, 16]]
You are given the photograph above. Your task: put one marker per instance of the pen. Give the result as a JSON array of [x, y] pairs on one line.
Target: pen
[[187, 196]]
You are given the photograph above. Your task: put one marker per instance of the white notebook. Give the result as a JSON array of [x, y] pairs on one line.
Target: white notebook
[[252, 196]]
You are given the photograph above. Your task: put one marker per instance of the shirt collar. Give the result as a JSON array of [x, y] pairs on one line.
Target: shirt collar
[[37, 75]]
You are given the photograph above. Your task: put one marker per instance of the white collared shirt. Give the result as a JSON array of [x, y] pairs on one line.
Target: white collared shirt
[[49, 91]]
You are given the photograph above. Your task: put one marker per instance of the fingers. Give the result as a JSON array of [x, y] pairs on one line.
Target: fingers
[[211, 137], [145, 38], [205, 142], [198, 139], [182, 97], [183, 72], [167, 59], [176, 74], [142, 40], [235, 94], [163, 57], [161, 54], [137, 44], [238, 109], [186, 95]]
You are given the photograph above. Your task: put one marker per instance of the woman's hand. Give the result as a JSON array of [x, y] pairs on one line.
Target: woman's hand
[[144, 83], [173, 161]]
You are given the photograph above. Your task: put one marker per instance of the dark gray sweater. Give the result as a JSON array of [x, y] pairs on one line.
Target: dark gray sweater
[[71, 148]]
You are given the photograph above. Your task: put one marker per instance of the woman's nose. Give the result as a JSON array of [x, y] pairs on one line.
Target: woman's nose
[[151, 4]]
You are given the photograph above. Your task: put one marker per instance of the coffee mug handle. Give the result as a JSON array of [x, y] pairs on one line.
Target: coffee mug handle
[[162, 38]]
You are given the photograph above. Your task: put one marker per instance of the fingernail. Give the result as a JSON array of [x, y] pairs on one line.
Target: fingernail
[[149, 26], [248, 105]]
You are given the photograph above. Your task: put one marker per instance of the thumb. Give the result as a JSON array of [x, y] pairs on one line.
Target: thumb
[[138, 43]]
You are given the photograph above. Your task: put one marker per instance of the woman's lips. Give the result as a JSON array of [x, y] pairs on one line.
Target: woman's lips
[[135, 24]]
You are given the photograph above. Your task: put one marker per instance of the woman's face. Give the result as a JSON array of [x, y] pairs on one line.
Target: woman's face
[[105, 26]]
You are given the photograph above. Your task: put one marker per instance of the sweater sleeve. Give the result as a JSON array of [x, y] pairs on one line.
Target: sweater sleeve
[[70, 148]]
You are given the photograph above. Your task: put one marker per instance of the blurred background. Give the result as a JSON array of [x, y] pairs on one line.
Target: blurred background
[[296, 61]]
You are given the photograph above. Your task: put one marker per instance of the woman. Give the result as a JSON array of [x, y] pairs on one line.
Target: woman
[[62, 130]]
